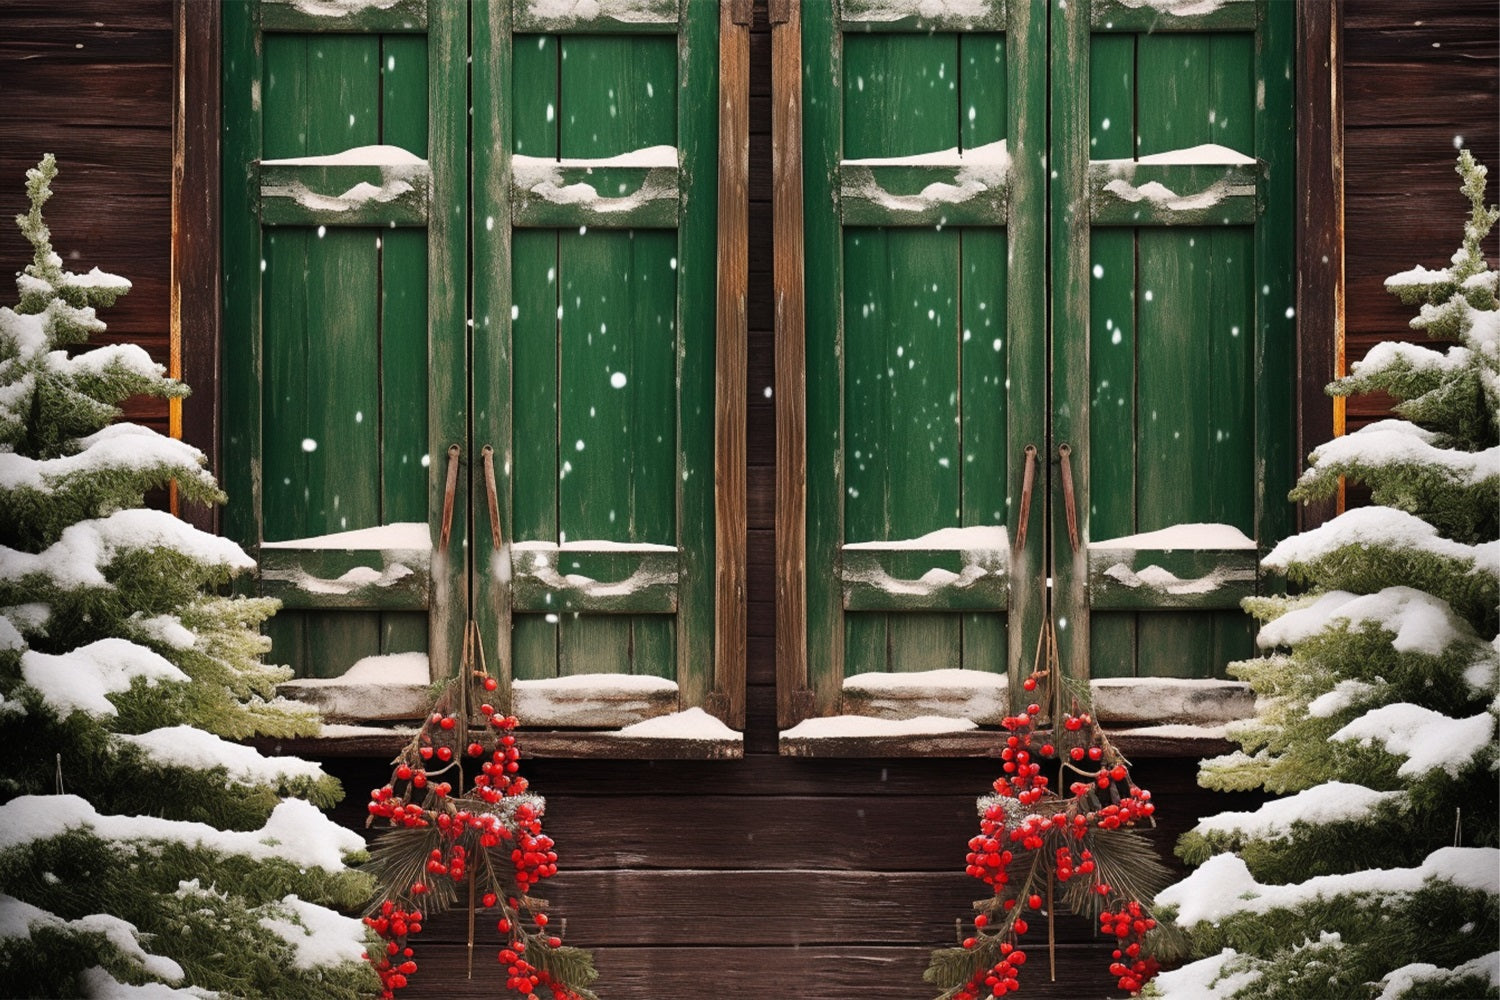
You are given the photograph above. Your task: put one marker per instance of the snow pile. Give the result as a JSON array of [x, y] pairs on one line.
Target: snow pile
[[1420, 622], [692, 724], [982, 538], [81, 679], [843, 726], [401, 536], [1400, 442], [1333, 802], [318, 935], [18, 919], [1181, 536], [118, 447], [1429, 740], [543, 177], [1223, 886], [569, 12], [1345, 693], [979, 170], [296, 832], [1161, 196], [187, 747], [1374, 527], [1400, 982], [1212, 978], [77, 558], [896, 10]]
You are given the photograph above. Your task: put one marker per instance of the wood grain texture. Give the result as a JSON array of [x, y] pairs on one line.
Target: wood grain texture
[[730, 369]]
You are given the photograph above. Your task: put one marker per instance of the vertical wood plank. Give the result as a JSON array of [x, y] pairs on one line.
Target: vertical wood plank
[[822, 271], [1319, 238], [594, 421], [448, 359], [1068, 160], [730, 383], [1112, 346], [983, 398], [533, 324], [196, 267], [697, 138], [792, 538], [1027, 68]]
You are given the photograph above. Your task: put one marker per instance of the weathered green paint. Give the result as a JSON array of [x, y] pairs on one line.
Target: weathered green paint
[[594, 370], [910, 276], [326, 16], [310, 196], [891, 195], [1159, 398], [336, 322], [629, 197], [1125, 16], [637, 16], [877, 16]]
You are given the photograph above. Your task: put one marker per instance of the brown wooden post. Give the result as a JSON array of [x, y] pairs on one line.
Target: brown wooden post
[[728, 699], [194, 282], [793, 699], [1320, 237]]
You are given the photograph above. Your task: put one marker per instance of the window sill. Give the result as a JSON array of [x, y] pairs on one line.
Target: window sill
[[387, 741]]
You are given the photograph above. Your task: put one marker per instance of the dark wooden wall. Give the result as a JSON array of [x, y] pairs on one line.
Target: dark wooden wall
[[766, 878]]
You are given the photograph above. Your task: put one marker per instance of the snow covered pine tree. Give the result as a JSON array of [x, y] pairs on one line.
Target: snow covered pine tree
[[1380, 876], [177, 863]]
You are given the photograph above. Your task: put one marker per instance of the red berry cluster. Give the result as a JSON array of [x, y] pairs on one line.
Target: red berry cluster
[[1129, 925], [1029, 835], [393, 924], [464, 826]]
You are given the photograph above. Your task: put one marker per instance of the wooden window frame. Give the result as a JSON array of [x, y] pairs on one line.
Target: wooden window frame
[[1319, 288], [196, 325]]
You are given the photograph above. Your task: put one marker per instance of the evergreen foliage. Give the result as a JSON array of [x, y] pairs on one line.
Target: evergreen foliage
[[137, 845], [1378, 706]]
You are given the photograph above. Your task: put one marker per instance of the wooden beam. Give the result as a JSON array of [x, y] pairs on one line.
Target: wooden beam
[[730, 371], [1134, 16], [882, 15], [793, 698], [195, 335], [373, 741], [338, 16], [1320, 237]]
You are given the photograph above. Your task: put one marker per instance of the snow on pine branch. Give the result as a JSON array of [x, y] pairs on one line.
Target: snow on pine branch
[[81, 679], [79, 556], [1400, 442], [296, 831], [1382, 528], [1331, 802], [1420, 622], [1428, 740], [319, 936], [19, 919], [1223, 886], [117, 448], [189, 747]]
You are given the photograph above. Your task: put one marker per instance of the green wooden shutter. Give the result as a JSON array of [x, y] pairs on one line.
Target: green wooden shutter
[[1118, 299], [344, 177], [593, 378], [1173, 333], [926, 294]]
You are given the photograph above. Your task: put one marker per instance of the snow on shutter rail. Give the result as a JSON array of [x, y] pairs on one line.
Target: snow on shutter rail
[[924, 15], [1206, 185], [344, 16], [1172, 15], [386, 569], [615, 17], [951, 187], [636, 190], [366, 186], [954, 569], [598, 577], [1196, 566]]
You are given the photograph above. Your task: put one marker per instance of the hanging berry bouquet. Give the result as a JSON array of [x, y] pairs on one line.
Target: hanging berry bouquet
[[482, 848], [1036, 847]]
